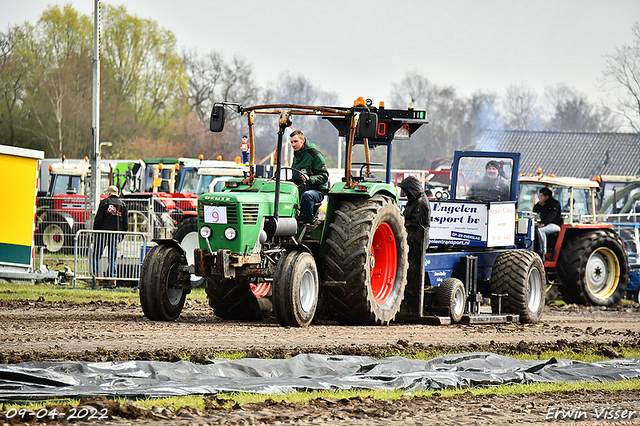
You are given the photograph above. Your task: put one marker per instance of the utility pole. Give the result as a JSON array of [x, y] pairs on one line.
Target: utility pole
[[95, 116]]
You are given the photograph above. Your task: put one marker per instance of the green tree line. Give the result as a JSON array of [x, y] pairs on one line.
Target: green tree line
[[148, 88], [156, 98]]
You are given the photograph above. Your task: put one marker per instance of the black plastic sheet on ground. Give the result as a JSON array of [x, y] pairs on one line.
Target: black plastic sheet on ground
[[302, 372]]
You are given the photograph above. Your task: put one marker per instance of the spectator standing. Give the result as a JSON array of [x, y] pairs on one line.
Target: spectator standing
[[417, 219], [112, 215]]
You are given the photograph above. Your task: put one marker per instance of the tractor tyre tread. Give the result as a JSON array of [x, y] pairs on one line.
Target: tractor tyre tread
[[349, 240], [510, 275], [572, 266]]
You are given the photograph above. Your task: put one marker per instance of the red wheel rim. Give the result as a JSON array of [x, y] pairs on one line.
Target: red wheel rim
[[260, 289], [383, 263]]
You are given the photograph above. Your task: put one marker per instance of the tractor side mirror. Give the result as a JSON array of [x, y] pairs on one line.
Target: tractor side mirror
[[216, 124], [367, 125]]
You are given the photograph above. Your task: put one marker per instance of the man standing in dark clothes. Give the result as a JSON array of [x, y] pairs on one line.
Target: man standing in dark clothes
[[417, 213], [550, 216], [112, 215], [417, 220]]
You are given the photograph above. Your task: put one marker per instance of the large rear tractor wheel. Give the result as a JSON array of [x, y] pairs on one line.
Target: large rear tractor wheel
[[295, 289], [237, 299], [368, 251], [162, 292], [594, 269], [520, 275], [450, 299]]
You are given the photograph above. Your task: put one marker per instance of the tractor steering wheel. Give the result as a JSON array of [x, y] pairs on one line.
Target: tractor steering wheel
[[293, 170]]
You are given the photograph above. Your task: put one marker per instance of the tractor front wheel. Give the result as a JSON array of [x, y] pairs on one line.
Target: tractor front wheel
[[55, 234], [295, 289], [186, 234], [162, 292]]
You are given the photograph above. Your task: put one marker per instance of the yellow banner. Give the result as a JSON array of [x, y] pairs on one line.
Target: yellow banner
[[18, 178]]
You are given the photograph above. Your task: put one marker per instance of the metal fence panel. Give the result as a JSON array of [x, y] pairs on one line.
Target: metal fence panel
[[108, 255], [59, 218]]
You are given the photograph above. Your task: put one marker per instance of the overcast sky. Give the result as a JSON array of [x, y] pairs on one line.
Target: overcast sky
[[361, 48]]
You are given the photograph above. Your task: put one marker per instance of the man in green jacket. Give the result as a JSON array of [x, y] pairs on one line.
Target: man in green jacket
[[310, 174]]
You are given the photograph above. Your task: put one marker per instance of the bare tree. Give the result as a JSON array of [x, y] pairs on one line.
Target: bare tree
[[520, 109], [212, 80], [11, 86], [204, 76], [238, 83], [450, 125], [621, 77], [414, 89], [297, 89], [572, 112]]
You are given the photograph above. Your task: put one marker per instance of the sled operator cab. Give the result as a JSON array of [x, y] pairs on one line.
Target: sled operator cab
[[477, 239], [482, 209]]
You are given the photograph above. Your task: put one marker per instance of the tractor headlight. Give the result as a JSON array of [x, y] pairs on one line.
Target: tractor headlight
[[230, 233], [205, 232]]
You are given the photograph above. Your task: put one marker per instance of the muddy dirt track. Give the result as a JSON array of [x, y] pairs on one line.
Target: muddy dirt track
[[106, 331]]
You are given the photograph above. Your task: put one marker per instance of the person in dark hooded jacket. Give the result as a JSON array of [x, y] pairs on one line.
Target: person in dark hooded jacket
[[417, 213], [417, 219]]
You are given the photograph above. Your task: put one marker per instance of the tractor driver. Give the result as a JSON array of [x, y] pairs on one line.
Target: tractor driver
[[310, 174], [550, 216]]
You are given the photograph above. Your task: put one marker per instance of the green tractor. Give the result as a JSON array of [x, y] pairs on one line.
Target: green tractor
[[257, 260]]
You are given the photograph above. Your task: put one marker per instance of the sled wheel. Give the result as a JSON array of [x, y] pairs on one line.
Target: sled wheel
[[295, 289], [368, 251], [594, 269], [162, 292], [520, 275], [450, 299]]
